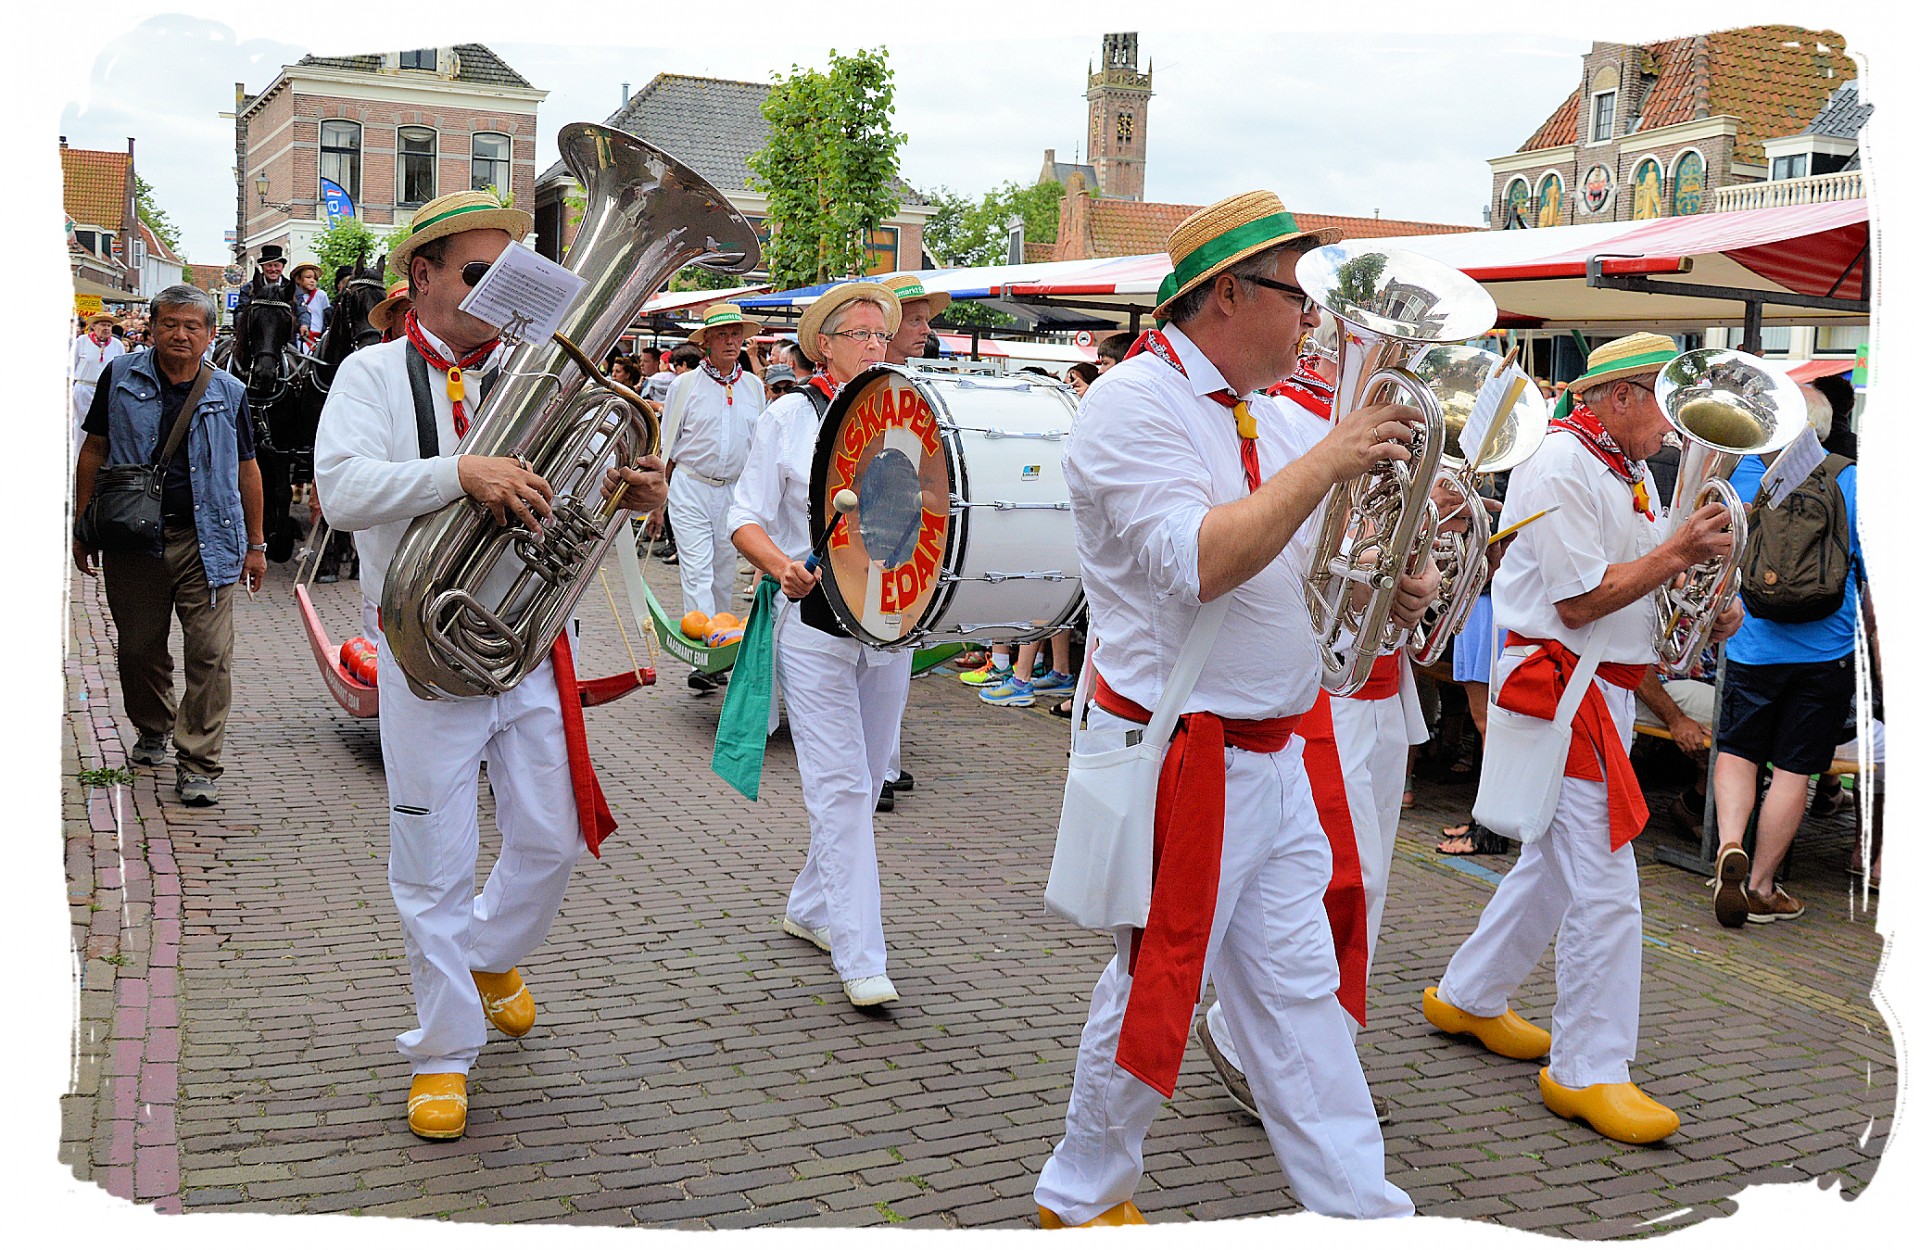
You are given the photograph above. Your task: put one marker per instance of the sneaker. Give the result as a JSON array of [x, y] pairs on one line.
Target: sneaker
[[884, 803], [700, 683], [1731, 903], [972, 659], [817, 936], [1053, 681], [1767, 908], [1231, 1077], [902, 783], [198, 790], [1010, 693], [149, 749], [991, 675], [870, 991]]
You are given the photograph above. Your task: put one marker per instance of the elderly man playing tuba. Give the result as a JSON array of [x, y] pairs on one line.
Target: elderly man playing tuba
[[388, 450], [1189, 483], [1580, 579]]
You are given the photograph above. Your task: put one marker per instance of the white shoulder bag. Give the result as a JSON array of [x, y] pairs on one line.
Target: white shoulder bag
[[1102, 875], [1525, 758]]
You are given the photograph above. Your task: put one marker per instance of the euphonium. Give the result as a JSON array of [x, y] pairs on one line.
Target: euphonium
[[470, 607], [1457, 375], [1389, 304], [1724, 404]]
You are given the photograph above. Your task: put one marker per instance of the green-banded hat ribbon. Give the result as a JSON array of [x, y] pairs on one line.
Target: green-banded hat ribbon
[[1231, 244], [1628, 364], [437, 218]]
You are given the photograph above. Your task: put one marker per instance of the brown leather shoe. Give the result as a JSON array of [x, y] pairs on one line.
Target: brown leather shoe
[[1506, 1034], [1730, 869], [1619, 1111], [437, 1105], [1779, 905], [1125, 1213], [506, 1000]]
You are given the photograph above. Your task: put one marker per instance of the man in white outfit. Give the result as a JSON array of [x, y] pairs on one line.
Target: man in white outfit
[[1580, 578], [387, 452], [843, 699], [705, 430], [1189, 483], [92, 353]]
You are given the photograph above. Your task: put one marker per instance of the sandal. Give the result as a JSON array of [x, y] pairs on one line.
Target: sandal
[[1472, 838]]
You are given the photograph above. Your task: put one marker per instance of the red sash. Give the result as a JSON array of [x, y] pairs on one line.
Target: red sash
[[1346, 897], [596, 818], [1189, 817], [1534, 689], [1383, 679]]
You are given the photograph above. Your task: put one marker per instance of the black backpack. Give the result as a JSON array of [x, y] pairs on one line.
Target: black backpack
[[1799, 555]]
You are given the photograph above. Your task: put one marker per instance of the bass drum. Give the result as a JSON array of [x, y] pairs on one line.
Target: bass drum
[[963, 531]]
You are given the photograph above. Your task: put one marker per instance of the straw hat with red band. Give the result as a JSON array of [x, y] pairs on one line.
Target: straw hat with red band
[[723, 315], [456, 214], [383, 314], [835, 296], [909, 288], [1619, 359], [1226, 233]]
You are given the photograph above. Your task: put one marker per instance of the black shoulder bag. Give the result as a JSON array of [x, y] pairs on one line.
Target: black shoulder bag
[[124, 512]]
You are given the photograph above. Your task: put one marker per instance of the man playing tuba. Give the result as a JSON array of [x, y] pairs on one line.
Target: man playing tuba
[[387, 451]]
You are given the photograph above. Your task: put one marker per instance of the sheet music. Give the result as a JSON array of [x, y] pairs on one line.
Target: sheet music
[[1496, 399], [1791, 467], [524, 294]]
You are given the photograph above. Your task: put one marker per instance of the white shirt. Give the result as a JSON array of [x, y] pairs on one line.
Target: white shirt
[[313, 309], [774, 482], [366, 456], [90, 359], [705, 433], [1150, 455], [1567, 552], [658, 384]]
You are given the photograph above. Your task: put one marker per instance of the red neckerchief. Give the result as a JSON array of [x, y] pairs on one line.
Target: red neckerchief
[[1582, 424], [1534, 689], [827, 386], [1306, 388], [456, 385], [725, 380], [1156, 342]]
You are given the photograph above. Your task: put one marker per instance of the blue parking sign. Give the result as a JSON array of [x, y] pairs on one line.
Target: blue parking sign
[[233, 300]]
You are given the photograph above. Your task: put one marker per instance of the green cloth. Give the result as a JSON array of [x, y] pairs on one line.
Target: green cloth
[[740, 742]]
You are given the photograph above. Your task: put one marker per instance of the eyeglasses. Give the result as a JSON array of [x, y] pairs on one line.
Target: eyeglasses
[[474, 270], [1281, 287], [865, 336]]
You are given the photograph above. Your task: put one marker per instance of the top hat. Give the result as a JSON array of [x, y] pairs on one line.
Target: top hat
[[272, 251]]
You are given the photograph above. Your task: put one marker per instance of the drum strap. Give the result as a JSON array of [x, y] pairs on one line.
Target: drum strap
[[814, 609]]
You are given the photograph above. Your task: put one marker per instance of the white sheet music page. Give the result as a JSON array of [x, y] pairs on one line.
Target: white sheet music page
[[524, 294], [1791, 467], [1497, 398]]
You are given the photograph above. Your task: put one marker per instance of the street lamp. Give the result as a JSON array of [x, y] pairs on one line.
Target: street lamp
[[261, 186]]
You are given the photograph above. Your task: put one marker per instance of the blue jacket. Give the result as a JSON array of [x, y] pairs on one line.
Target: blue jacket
[[211, 447]]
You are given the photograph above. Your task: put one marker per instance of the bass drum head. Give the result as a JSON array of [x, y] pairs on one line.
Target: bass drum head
[[881, 440]]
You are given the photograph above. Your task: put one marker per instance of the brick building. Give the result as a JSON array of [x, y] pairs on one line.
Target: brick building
[[98, 191], [713, 125], [392, 130], [1117, 96], [1671, 128]]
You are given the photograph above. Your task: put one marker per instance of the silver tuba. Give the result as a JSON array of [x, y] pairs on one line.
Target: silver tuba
[[470, 607], [1724, 404], [1390, 304]]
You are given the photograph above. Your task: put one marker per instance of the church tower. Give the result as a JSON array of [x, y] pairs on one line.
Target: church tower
[[1117, 95]]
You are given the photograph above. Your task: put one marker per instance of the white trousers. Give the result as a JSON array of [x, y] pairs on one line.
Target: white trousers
[[1270, 955], [843, 706], [82, 400], [709, 565], [893, 757], [1571, 882], [432, 750]]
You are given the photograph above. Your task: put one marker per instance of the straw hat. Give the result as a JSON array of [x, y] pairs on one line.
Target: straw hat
[[1625, 358], [910, 288], [456, 214], [303, 266], [1225, 233], [822, 308], [98, 317], [382, 315], [723, 315]]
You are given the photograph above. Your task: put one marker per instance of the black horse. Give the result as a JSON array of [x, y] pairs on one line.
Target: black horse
[[348, 330], [262, 354]]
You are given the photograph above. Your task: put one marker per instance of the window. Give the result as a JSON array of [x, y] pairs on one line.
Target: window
[[1794, 166], [492, 162], [340, 156], [420, 58], [1776, 340], [418, 147], [1838, 340], [1124, 128], [1603, 116], [883, 249], [87, 239]]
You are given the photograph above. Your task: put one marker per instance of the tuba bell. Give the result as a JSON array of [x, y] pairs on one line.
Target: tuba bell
[[1390, 304], [470, 606], [1724, 404]]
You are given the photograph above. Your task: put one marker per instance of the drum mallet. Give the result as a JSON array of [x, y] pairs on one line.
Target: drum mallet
[[844, 501]]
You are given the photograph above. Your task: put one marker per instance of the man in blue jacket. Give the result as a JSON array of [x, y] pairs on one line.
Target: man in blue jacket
[[211, 509]]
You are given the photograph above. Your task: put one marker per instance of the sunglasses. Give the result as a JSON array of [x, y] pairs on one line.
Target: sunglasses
[[1281, 287], [474, 270]]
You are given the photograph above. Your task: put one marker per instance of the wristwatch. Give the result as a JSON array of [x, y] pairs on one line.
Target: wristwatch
[[256, 546]]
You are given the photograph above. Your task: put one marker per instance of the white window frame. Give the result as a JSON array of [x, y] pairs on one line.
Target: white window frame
[[1612, 97], [400, 167]]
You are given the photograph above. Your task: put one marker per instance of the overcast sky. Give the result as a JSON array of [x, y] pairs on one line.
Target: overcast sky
[[1399, 123]]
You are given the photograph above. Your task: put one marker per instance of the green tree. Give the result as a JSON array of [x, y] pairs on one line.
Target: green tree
[[830, 168], [154, 216], [965, 232], [347, 241]]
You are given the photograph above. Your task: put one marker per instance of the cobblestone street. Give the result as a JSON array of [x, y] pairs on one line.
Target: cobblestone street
[[243, 981]]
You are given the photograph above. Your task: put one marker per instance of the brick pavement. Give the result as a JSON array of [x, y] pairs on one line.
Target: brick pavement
[[242, 982]]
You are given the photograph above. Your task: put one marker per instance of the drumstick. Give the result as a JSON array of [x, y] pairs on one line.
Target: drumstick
[[843, 502]]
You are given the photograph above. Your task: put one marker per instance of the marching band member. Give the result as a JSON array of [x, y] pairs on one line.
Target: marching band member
[[705, 429], [1188, 483], [1592, 559], [92, 353], [843, 699], [376, 474]]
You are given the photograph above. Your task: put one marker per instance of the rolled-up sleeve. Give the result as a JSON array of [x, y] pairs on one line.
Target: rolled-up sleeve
[[1132, 459], [1570, 543], [364, 479]]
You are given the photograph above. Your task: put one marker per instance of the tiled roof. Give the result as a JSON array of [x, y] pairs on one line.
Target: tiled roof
[[1065, 172], [1773, 78], [96, 186], [712, 124], [155, 247], [1843, 115], [478, 64], [1136, 227], [1033, 253]]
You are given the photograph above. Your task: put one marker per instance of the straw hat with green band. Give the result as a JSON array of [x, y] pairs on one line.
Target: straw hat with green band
[[1622, 358], [1226, 233], [909, 288], [724, 315], [456, 214]]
